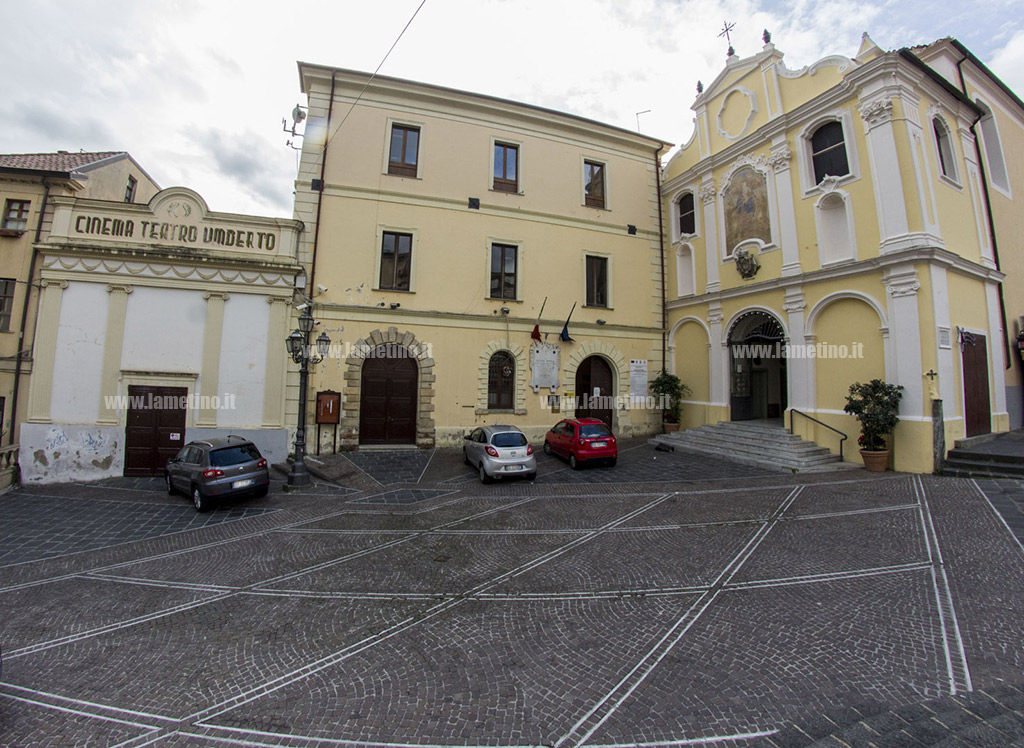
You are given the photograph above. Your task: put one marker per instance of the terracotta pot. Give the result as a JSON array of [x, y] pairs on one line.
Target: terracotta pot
[[875, 460], [670, 427]]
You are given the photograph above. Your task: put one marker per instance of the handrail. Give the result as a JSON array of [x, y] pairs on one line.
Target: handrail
[[820, 423]]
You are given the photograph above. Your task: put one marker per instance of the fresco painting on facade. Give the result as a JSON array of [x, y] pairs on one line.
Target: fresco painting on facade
[[746, 208]]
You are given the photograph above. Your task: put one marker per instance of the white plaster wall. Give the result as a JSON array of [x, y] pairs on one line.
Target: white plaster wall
[[243, 359], [164, 330], [78, 364], [55, 453]]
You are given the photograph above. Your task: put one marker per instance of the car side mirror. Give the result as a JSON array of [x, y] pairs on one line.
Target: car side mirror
[[467, 437]]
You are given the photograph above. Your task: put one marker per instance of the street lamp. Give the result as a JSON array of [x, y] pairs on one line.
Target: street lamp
[[298, 348]]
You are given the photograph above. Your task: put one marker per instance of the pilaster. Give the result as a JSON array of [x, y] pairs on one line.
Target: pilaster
[[209, 377], [113, 346], [905, 327], [44, 350], [885, 171], [277, 361], [779, 161], [801, 390], [707, 194]]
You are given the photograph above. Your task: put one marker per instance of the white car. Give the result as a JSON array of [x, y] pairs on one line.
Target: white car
[[499, 452]]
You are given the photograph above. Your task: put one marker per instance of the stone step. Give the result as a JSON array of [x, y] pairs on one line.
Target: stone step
[[979, 471], [818, 463], [796, 444], [799, 450], [983, 457]]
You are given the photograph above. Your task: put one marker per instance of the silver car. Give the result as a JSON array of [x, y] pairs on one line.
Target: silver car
[[499, 452], [217, 468]]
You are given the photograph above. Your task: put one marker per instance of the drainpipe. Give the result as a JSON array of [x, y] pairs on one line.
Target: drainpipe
[[661, 257], [24, 313], [988, 213], [311, 287]]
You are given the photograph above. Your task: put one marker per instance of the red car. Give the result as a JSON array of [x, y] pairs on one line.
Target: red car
[[582, 440]]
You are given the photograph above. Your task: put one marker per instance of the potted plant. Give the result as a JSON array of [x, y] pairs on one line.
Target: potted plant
[[671, 391], [876, 405]]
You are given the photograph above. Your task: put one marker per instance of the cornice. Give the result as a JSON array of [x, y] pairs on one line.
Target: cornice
[[171, 256], [927, 255], [111, 270]]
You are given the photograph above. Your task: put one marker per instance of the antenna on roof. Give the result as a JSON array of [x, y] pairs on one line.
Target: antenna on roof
[[298, 115]]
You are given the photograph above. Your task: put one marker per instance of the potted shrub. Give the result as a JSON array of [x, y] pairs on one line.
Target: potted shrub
[[876, 405], [670, 390]]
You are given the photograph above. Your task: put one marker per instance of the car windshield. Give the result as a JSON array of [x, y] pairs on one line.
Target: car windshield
[[594, 429], [234, 455], [509, 439]]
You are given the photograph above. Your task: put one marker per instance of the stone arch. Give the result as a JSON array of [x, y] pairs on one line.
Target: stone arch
[[519, 353], [728, 328], [671, 347], [819, 307], [420, 352], [620, 371]]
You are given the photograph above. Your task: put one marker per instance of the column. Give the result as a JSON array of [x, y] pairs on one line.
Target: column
[[277, 360], [209, 377], [801, 393], [113, 346], [711, 251], [885, 172], [44, 351], [905, 328]]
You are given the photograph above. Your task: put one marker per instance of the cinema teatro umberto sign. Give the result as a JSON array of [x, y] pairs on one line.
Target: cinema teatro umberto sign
[[179, 219]]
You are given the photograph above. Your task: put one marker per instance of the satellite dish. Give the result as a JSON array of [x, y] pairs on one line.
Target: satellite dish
[[297, 114]]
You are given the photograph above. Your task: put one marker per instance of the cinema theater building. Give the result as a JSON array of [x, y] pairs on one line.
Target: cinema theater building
[[158, 323]]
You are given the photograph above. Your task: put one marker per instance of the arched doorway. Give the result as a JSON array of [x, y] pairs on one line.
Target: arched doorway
[[757, 367], [387, 401], [594, 390]]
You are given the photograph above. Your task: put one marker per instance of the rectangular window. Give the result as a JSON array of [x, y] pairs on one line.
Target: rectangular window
[[6, 303], [395, 261], [593, 183], [405, 148], [129, 191], [503, 271], [687, 215], [16, 215], [506, 167], [597, 281]]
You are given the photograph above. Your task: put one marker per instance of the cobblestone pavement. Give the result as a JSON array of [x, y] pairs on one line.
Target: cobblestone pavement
[[671, 602]]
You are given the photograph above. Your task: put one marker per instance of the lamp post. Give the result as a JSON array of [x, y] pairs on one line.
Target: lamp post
[[298, 348]]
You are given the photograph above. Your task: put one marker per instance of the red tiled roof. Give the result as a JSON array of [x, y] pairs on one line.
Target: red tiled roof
[[60, 161]]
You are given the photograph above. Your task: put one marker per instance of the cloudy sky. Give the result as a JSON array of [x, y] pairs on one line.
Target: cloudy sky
[[196, 90]]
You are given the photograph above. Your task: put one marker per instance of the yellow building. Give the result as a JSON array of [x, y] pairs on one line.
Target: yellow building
[[830, 225], [440, 225], [28, 184]]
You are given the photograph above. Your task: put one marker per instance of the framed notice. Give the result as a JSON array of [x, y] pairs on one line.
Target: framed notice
[[638, 377], [328, 407]]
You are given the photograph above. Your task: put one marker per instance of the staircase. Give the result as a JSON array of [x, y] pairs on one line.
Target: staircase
[[989, 456], [761, 444]]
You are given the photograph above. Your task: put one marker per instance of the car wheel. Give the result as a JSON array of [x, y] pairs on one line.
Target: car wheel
[[261, 492], [202, 503], [547, 448], [573, 462], [484, 477], [531, 476], [612, 461], [170, 486]]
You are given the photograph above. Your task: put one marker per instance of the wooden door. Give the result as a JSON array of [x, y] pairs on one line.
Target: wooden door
[[387, 403], [977, 410], [154, 428], [594, 390]]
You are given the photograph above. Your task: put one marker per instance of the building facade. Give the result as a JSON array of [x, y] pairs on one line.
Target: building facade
[[442, 227], [830, 225], [159, 323]]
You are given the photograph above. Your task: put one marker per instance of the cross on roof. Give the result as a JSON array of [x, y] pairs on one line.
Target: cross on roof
[[726, 28]]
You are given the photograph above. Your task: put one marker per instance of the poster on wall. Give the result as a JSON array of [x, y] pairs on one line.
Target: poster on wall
[[638, 377]]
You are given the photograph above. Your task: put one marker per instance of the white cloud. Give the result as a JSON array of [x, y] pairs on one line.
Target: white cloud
[[1008, 64]]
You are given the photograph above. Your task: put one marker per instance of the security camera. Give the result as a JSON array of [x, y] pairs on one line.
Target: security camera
[[505, 310], [300, 307], [321, 288]]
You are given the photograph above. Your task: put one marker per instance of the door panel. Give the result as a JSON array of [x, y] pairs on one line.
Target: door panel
[[148, 429], [388, 402], [594, 376], [977, 409]]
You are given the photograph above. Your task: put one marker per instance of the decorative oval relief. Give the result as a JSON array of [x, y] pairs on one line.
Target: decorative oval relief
[[737, 113]]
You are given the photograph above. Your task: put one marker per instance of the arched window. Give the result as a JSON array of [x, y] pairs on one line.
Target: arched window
[[993, 149], [501, 378], [828, 152], [945, 145], [687, 215]]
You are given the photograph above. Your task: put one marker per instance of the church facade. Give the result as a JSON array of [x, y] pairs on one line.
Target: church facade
[[836, 224]]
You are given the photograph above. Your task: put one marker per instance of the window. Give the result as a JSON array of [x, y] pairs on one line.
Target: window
[[946, 163], [687, 215], [828, 152], [404, 154], [501, 373], [129, 191], [593, 184], [16, 215], [506, 167], [993, 150], [6, 303], [597, 281], [503, 271], [395, 261]]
